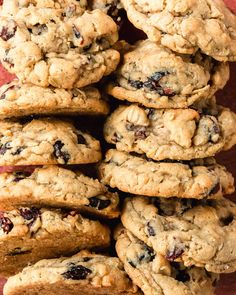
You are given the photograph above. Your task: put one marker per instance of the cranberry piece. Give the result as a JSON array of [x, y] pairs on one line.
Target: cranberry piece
[[30, 214], [77, 272], [174, 254], [7, 33], [6, 224]]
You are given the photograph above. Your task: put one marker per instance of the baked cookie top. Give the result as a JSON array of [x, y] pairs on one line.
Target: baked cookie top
[[31, 234], [195, 232], [177, 134], [172, 81], [84, 273], [45, 141], [154, 274], [18, 100], [186, 26], [54, 186], [199, 179]]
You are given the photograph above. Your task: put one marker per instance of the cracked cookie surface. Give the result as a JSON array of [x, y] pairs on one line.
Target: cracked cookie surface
[[83, 273], [28, 235], [53, 186], [44, 142], [155, 275], [198, 179], [194, 232], [17, 100], [172, 81], [186, 26], [177, 134]]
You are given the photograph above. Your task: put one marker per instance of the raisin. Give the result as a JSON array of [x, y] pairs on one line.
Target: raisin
[[215, 189], [136, 84], [4, 147], [30, 214], [182, 276], [153, 82], [81, 139], [174, 254], [39, 29], [99, 203], [76, 272], [227, 220], [19, 175], [141, 132], [18, 151], [58, 153], [7, 33], [151, 230], [6, 224]]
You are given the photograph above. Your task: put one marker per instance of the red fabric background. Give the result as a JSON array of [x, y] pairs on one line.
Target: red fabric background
[[227, 97]]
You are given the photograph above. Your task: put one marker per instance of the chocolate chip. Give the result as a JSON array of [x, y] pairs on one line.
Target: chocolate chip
[[182, 276], [4, 147], [77, 272], [225, 221], [99, 204], [30, 214], [7, 33], [151, 230], [19, 175], [6, 224], [174, 254], [81, 139], [215, 189], [18, 151], [58, 153]]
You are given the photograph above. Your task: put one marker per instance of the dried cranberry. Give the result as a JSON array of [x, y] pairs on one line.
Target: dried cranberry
[[30, 214], [19, 175], [227, 220], [174, 254], [1, 2], [7, 33], [99, 203], [4, 147], [150, 230], [81, 139], [6, 224], [76, 272], [58, 153]]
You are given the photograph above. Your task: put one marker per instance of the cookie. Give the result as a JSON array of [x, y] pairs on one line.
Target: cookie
[[53, 186], [172, 81], [84, 273], [194, 232], [48, 32], [155, 275], [177, 134], [17, 100], [70, 70], [45, 141], [197, 179], [28, 235], [186, 27]]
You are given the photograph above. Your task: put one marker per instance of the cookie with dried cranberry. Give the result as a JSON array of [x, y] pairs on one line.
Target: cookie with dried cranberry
[[154, 274], [199, 179], [44, 142], [198, 233], [28, 235], [187, 26], [18, 100], [53, 186], [84, 273], [156, 77], [177, 134]]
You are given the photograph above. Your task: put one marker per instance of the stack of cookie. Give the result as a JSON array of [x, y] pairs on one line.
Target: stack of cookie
[[56, 49], [178, 230]]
